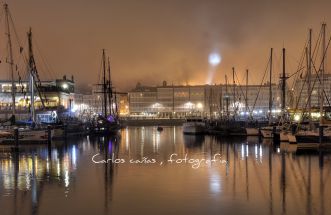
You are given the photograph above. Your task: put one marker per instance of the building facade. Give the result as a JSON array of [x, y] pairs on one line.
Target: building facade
[[301, 93], [202, 100], [57, 94]]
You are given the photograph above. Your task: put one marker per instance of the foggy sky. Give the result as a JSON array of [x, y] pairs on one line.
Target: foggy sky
[[154, 40]]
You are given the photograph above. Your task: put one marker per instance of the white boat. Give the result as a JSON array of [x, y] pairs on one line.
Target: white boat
[[267, 132], [252, 132], [283, 136], [194, 126], [33, 135], [4, 135], [291, 138]]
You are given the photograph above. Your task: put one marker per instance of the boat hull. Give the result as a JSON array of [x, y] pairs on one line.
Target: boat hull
[[266, 133], [193, 128], [252, 132]]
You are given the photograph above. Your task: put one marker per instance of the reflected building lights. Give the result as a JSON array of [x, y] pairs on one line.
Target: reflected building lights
[[27, 180], [66, 178], [37, 172], [214, 182], [73, 156], [142, 141], [127, 139], [154, 141], [158, 141], [174, 136], [256, 154], [58, 168], [246, 150], [47, 165], [261, 155], [110, 147]]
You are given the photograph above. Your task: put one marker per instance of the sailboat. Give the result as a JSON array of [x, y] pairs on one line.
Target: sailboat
[[313, 134], [107, 122], [28, 131], [316, 135], [267, 132], [250, 130]]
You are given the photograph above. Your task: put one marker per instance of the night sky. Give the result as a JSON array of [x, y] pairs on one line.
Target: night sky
[[153, 40]]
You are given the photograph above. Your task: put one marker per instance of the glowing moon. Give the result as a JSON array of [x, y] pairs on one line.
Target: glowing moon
[[214, 59]]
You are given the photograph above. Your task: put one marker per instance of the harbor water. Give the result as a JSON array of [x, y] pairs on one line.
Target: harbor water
[[145, 171]]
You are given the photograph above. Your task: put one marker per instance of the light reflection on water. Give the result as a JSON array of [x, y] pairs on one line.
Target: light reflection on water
[[256, 176]]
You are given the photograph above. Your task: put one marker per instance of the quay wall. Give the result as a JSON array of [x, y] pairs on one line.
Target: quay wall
[[151, 122]]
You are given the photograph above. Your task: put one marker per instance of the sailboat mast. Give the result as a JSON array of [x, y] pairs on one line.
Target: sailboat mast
[[270, 86], [116, 107], [246, 93], [221, 102], [104, 82], [31, 67], [227, 97], [11, 60], [283, 86], [234, 92], [110, 90], [210, 102], [322, 73], [309, 74]]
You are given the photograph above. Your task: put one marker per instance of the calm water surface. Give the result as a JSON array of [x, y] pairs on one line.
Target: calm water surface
[[248, 176]]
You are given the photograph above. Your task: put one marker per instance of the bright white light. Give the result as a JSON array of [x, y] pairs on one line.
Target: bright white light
[[199, 105], [297, 117], [214, 59], [189, 105], [156, 105], [65, 86], [74, 108]]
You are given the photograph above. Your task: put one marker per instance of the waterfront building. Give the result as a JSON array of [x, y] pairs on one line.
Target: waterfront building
[[143, 100], [203, 100], [301, 94], [89, 104], [54, 95]]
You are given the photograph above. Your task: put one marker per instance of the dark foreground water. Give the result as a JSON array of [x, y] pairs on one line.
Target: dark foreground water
[[220, 176]]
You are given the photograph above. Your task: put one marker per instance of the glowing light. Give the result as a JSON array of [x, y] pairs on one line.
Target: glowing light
[[199, 105], [297, 117], [215, 183], [66, 178], [74, 108], [74, 156], [214, 59], [65, 86], [189, 105]]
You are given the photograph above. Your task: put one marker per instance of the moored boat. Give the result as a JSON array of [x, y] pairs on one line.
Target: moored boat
[[252, 132], [194, 126]]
